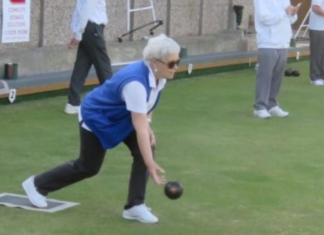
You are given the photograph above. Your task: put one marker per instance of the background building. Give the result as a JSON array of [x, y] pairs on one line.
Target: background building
[[209, 21]]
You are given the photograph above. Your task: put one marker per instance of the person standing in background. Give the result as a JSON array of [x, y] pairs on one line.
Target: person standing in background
[[316, 36], [273, 19], [88, 23]]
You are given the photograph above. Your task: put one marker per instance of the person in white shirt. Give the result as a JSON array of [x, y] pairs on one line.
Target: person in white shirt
[[88, 23], [273, 19], [118, 111], [316, 36]]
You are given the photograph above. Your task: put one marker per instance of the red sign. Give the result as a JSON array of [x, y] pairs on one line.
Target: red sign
[[17, 1]]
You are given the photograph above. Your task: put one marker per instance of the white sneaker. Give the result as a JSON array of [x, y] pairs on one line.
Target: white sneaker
[[278, 112], [318, 82], [263, 113], [140, 213], [70, 109], [34, 197]]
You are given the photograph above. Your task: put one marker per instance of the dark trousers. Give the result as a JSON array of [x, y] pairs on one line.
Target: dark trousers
[[91, 51], [89, 163], [316, 54]]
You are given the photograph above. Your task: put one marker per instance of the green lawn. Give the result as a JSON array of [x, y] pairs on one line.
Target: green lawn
[[241, 175]]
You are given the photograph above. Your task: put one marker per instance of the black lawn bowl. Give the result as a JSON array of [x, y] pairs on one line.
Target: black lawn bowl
[[289, 72], [295, 73], [292, 73], [173, 190]]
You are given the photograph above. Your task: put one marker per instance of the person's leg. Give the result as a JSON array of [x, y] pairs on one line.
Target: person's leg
[[321, 49], [95, 47], [139, 174], [87, 165], [81, 69], [267, 58], [316, 54], [135, 208], [277, 77]]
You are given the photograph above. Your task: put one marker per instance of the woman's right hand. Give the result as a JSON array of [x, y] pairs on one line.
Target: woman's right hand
[[155, 172]]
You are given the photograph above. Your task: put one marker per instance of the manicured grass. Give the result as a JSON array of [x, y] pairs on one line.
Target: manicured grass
[[241, 175]]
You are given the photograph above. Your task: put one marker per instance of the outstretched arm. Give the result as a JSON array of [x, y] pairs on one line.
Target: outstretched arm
[[143, 132]]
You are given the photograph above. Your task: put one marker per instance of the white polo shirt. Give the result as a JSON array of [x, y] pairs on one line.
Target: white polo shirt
[[88, 10], [272, 24], [316, 22], [135, 96]]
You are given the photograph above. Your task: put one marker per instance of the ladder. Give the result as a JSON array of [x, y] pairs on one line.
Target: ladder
[[303, 25], [130, 10]]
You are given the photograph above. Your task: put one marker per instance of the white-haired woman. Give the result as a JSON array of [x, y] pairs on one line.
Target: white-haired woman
[[118, 111]]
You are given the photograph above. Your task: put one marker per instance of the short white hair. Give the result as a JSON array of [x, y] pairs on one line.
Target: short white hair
[[160, 47]]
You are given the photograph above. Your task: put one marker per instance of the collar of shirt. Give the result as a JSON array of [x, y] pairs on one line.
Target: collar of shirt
[[152, 80]]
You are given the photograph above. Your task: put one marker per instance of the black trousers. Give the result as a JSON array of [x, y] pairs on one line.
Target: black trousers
[[91, 51], [89, 163]]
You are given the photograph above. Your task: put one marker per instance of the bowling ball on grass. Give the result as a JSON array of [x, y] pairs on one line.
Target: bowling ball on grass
[[173, 190], [289, 72]]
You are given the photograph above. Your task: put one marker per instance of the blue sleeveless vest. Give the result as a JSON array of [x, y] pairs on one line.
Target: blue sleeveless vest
[[104, 111]]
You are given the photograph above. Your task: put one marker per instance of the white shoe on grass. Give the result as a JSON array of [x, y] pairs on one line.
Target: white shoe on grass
[[263, 114], [71, 109], [318, 82], [33, 195], [278, 112], [141, 214]]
